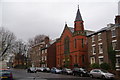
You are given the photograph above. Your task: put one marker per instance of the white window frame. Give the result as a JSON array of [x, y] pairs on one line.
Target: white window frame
[[113, 32], [99, 37], [93, 38], [42, 58], [42, 51], [92, 60], [45, 50], [114, 44], [45, 58], [100, 50], [39, 48], [117, 62], [101, 57], [93, 49]]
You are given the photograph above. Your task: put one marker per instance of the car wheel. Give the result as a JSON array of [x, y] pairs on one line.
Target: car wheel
[[103, 77], [91, 75], [73, 74], [81, 75]]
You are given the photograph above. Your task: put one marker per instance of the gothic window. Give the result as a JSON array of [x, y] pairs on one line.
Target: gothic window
[[82, 43], [66, 45], [83, 58], [75, 42], [58, 61], [75, 58]]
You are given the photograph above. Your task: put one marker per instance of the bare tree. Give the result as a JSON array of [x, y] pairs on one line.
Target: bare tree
[[7, 39], [36, 40], [20, 47]]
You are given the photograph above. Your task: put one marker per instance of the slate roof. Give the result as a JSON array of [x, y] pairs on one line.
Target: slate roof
[[71, 29], [78, 16], [53, 41], [88, 32], [109, 26]]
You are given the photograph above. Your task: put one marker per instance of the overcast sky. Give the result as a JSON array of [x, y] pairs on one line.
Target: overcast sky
[[27, 18]]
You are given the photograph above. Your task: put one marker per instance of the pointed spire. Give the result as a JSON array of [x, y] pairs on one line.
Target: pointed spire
[[78, 6], [65, 24], [78, 15]]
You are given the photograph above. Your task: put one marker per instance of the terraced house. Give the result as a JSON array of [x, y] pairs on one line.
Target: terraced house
[[35, 54], [104, 45]]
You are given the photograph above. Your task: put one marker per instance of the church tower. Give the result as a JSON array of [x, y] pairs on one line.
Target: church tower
[[78, 23]]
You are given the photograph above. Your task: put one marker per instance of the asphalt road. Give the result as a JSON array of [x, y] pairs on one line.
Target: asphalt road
[[20, 74]]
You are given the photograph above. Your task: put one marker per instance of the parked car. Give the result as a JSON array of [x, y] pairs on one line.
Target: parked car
[[100, 73], [66, 71], [40, 69], [32, 70], [6, 74], [56, 70], [80, 72], [46, 69]]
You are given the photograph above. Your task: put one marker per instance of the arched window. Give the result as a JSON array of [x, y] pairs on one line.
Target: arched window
[[66, 45], [82, 42], [75, 43]]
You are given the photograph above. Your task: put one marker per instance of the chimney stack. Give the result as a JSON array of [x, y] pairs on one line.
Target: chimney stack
[[117, 19]]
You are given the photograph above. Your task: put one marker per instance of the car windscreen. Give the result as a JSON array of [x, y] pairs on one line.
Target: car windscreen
[[4, 73], [104, 71]]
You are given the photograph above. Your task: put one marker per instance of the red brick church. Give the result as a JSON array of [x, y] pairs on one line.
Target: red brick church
[[71, 47]]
